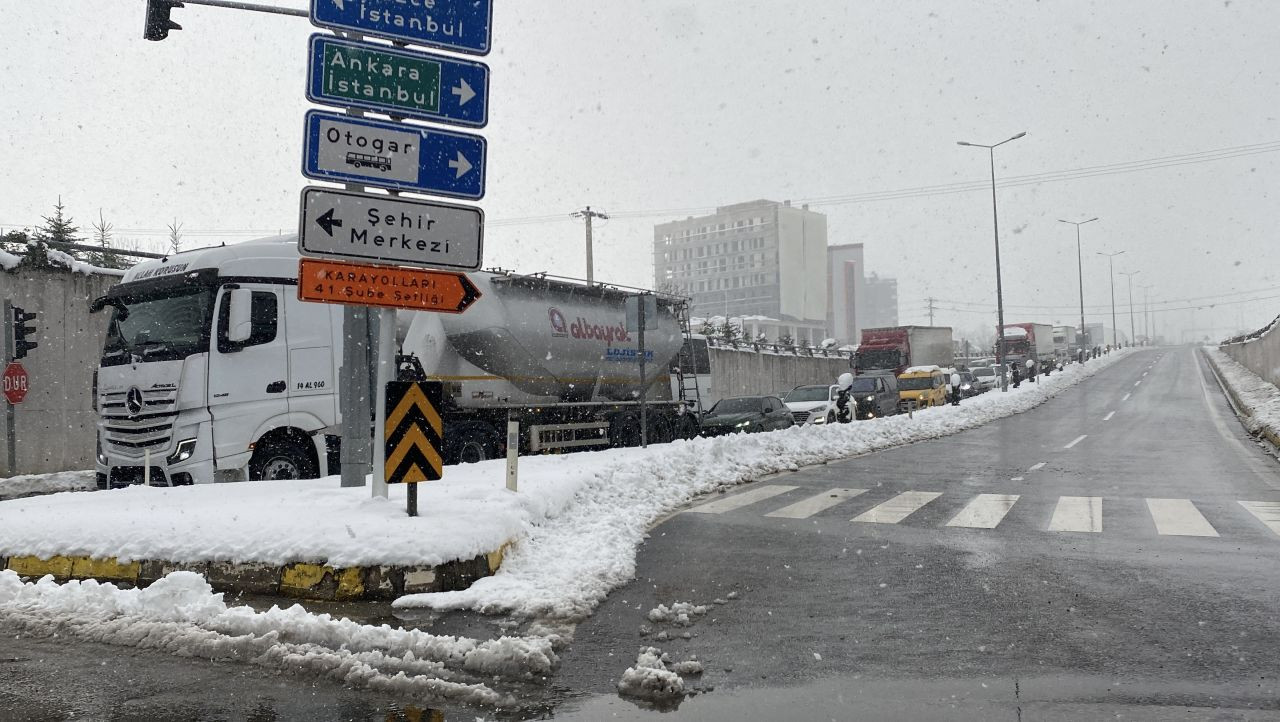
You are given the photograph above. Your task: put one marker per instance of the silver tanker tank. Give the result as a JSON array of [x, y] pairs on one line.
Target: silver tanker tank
[[548, 337]]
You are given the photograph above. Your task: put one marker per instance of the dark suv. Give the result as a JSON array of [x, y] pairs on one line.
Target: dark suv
[[876, 395]]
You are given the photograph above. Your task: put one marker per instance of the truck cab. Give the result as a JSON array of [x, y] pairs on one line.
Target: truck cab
[[213, 370]]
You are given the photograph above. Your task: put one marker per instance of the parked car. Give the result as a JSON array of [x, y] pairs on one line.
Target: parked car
[[985, 378], [812, 404], [746, 414], [924, 385], [969, 385], [876, 395]]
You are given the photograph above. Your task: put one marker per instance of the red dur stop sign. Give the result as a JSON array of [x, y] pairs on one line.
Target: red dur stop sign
[[15, 383]]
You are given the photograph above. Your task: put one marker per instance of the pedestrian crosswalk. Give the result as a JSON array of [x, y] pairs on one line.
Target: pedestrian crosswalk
[[1070, 514]]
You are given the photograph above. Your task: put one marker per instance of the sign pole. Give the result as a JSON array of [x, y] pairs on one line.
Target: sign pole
[[513, 451], [353, 395], [411, 505], [10, 433], [644, 408], [386, 356]]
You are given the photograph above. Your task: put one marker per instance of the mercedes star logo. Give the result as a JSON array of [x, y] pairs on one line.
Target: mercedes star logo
[[133, 401]]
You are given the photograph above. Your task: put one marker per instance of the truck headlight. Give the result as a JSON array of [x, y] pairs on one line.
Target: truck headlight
[[185, 449], [102, 458], [742, 425]]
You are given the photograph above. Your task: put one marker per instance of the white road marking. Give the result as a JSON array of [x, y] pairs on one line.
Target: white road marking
[[1037, 467], [1017, 478], [806, 508], [985, 511], [1268, 512], [1144, 374], [1108, 416], [897, 508], [1077, 513], [737, 501], [1126, 397], [1138, 382], [1077, 440], [1179, 517]]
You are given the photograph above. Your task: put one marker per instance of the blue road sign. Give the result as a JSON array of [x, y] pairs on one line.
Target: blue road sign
[[397, 82], [461, 25], [382, 153]]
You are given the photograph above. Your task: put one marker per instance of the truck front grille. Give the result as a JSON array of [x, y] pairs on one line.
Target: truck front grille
[[152, 427]]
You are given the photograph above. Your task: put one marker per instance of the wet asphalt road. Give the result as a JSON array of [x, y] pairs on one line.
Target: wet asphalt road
[[1120, 576]]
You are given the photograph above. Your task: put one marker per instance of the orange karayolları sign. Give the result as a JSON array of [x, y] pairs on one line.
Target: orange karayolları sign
[[357, 284]]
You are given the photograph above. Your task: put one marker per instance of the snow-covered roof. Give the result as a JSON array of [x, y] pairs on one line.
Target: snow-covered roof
[[922, 369]]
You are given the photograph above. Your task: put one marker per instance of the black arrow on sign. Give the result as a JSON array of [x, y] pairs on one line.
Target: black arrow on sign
[[327, 222]]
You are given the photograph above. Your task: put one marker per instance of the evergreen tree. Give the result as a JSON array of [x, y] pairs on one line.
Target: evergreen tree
[[729, 332], [786, 340], [16, 242], [175, 236], [57, 231]]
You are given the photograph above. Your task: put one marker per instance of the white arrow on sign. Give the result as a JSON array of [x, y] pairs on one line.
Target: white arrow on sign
[[339, 4], [461, 165], [463, 91]]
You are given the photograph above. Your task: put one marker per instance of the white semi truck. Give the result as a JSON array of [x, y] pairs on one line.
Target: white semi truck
[[213, 370]]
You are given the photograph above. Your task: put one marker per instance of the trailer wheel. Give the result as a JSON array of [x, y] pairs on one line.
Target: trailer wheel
[[282, 458], [474, 444]]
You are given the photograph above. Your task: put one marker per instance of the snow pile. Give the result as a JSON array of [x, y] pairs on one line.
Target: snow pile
[[9, 261], [1260, 397], [180, 614], [16, 487], [679, 613], [650, 679], [565, 564]]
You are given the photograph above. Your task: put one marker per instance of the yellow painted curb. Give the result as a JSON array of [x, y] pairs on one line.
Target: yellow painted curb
[[303, 576], [36, 567], [350, 585], [495, 558], [109, 568]]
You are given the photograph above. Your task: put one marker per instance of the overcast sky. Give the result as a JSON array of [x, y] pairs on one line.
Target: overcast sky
[[644, 109]]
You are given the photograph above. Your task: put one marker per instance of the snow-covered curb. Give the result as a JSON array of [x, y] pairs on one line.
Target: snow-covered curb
[[564, 565], [16, 487], [1257, 398], [180, 614]]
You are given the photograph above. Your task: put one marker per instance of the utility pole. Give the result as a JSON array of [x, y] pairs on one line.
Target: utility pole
[[1084, 333], [588, 215], [1133, 334], [931, 300], [1146, 313], [1111, 258]]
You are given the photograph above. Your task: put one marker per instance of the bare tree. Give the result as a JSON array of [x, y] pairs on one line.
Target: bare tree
[[175, 236], [107, 257]]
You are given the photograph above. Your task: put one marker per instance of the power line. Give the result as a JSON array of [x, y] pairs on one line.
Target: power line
[[1194, 307], [1204, 156]]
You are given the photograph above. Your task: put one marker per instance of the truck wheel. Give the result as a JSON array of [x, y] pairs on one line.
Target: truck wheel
[[282, 459], [474, 444]]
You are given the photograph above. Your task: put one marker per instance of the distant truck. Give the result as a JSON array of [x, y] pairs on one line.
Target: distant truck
[[1021, 342], [1065, 343], [896, 348]]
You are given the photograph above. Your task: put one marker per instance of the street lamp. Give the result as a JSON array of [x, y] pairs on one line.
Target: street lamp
[[1111, 258], [1133, 334], [1146, 312], [1080, 273], [995, 222]]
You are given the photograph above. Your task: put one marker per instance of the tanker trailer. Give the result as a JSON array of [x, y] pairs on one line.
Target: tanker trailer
[[554, 355]]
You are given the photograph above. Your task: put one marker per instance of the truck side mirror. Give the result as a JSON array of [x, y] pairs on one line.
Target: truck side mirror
[[240, 315]]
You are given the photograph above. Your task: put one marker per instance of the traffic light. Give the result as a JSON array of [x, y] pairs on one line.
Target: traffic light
[[158, 22], [21, 331]]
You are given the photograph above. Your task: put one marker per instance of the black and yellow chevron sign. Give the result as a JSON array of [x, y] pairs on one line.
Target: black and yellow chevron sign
[[414, 433]]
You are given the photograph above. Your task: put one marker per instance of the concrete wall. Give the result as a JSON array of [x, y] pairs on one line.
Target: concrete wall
[[1260, 355], [54, 425], [748, 373]]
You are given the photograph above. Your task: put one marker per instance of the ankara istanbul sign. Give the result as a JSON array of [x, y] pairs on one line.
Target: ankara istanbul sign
[[460, 25], [397, 82], [406, 157]]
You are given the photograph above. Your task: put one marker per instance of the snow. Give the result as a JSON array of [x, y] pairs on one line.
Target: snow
[[182, 615], [62, 258], [650, 679], [9, 261], [1260, 397], [16, 487], [679, 613], [568, 561], [922, 369]]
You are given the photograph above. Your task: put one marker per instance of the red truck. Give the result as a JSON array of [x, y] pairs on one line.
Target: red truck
[[1023, 341], [897, 348]]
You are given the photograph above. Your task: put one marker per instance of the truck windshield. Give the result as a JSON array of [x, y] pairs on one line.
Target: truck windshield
[[163, 325], [916, 383], [809, 393], [889, 358]]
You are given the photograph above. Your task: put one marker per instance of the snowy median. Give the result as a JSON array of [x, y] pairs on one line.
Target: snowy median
[[570, 533]]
